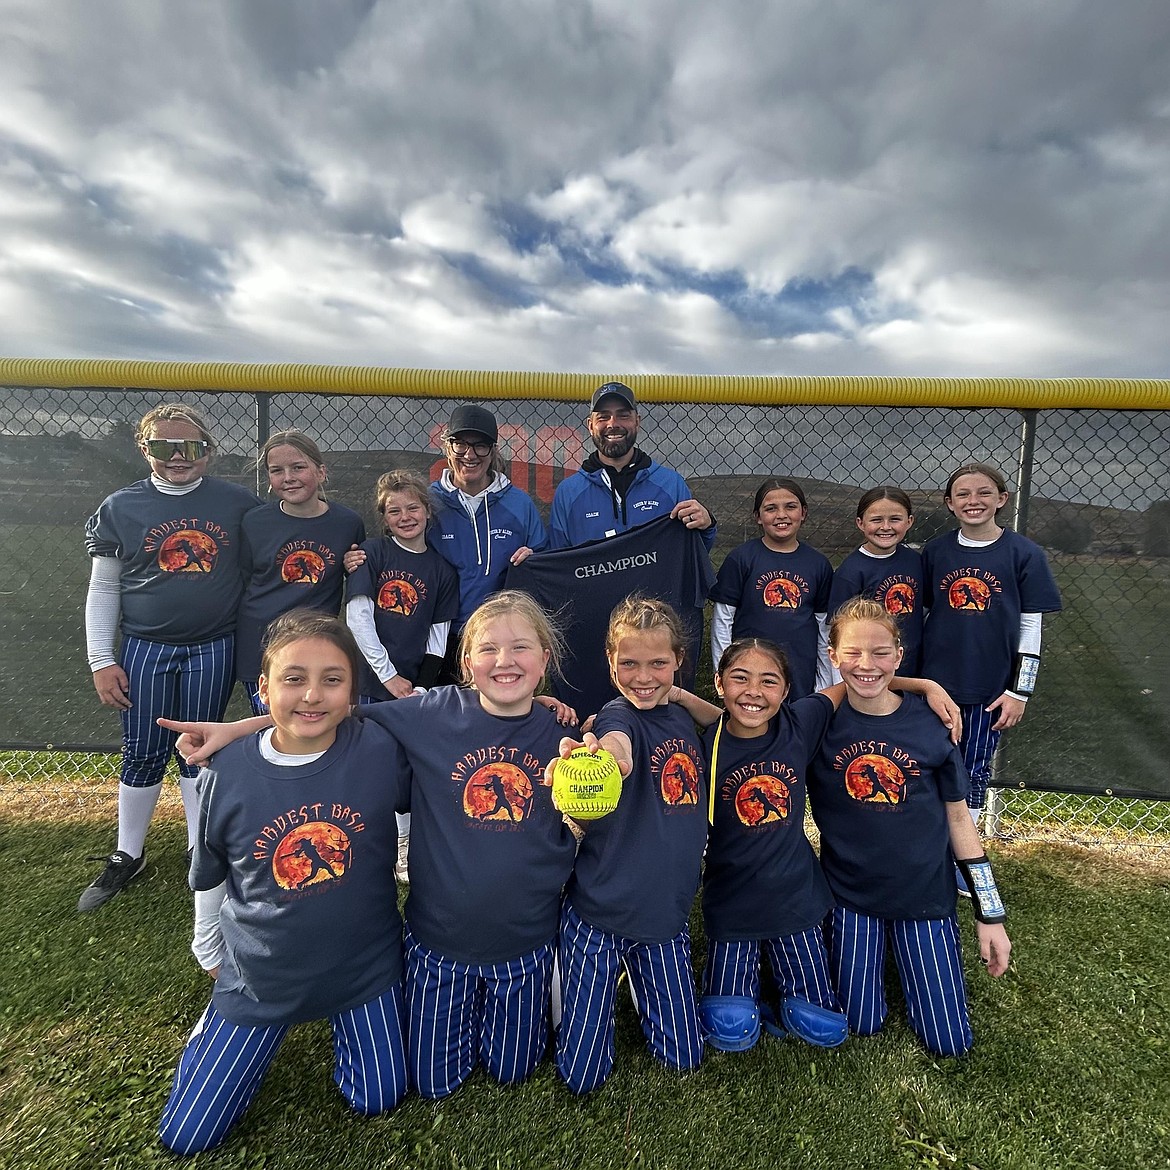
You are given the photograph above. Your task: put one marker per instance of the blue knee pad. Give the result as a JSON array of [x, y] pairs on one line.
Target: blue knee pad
[[730, 1023], [808, 1022]]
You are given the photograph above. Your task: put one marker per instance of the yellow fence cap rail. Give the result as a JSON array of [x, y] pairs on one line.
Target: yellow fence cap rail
[[287, 377]]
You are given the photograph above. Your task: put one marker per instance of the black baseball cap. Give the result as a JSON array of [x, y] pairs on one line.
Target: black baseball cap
[[613, 390], [473, 418]]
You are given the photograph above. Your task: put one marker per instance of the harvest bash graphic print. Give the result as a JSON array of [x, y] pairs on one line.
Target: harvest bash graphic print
[[876, 772], [498, 785], [187, 551], [676, 768], [761, 800], [898, 597], [783, 593], [398, 596], [186, 545], [970, 589], [309, 847]]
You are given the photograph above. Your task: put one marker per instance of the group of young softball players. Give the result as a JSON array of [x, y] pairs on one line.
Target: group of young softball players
[[516, 917]]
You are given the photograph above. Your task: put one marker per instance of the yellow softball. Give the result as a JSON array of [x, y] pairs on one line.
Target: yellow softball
[[587, 785]]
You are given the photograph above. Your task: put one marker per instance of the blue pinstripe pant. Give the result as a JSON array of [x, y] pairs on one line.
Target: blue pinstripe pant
[[663, 985], [799, 965], [926, 952], [459, 1013], [179, 682], [223, 1065], [978, 747]]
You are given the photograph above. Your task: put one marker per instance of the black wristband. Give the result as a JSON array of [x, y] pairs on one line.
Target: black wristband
[[1024, 676], [986, 903]]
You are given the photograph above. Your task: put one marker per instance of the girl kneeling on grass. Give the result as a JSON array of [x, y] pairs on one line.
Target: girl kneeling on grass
[[296, 824], [888, 793]]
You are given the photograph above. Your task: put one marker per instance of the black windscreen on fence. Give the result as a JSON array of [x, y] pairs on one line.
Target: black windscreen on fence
[[1094, 498]]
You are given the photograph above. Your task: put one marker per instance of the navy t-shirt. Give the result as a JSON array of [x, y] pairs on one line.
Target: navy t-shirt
[[975, 597], [638, 868], [897, 583], [878, 789], [411, 592], [583, 584], [489, 855], [778, 595], [310, 922], [181, 575], [761, 878], [290, 561]]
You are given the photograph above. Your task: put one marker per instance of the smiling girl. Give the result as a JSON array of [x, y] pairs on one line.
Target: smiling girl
[[298, 917], [988, 589], [637, 869], [776, 587], [292, 548], [884, 569], [165, 574], [887, 792]]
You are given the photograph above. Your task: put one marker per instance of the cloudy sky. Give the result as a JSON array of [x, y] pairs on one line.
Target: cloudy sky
[[674, 186]]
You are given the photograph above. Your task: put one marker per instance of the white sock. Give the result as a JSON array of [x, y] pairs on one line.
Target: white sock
[[135, 808], [190, 808], [403, 820]]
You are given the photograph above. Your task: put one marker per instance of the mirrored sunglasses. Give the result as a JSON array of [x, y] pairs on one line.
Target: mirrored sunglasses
[[188, 449]]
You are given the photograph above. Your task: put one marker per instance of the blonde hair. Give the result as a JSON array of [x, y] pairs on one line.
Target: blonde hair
[[637, 614], [401, 480], [862, 609], [298, 625], [173, 412], [512, 603]]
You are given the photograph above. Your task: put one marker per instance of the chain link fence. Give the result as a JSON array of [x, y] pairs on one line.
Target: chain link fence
[[1090, 762]]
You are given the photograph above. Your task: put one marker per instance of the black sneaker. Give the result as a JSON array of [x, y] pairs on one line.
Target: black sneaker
[[121, 869]]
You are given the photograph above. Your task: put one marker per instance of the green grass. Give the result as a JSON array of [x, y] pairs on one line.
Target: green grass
[[1070, 1068]]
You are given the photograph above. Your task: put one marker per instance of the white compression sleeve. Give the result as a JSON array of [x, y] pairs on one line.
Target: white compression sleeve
[[359, 616], [437, 639], [722, 619], [826, 675], [207, 939], [1030, 628], [103, 611]]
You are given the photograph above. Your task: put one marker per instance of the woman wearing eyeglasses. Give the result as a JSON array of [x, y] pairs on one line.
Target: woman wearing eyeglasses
[[166, 575], [483, 523]]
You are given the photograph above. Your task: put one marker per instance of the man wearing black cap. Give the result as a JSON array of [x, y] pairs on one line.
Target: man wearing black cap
[[619, 486]]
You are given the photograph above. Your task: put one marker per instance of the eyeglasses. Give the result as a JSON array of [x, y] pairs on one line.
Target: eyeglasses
[[462, 447], [191, 450]]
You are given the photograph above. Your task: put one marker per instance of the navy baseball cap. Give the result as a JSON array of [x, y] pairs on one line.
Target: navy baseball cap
[[613, 390], [473, 418]]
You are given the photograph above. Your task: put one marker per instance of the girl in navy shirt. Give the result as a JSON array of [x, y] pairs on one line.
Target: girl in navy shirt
[[777, 588], [296, 912], [884, 569], [166, 577], [988, 588], [637, 869], [887, 792], [292, 548]]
